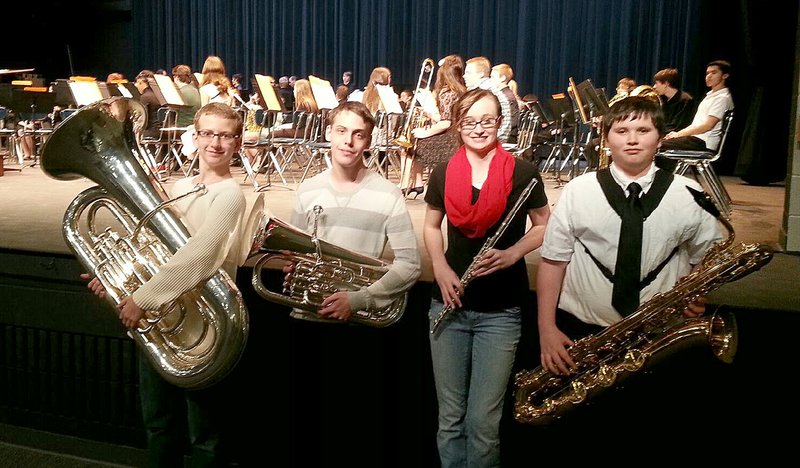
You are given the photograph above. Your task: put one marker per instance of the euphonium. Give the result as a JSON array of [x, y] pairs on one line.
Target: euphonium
[[319, 270], [657, 328], [414, 113], [192, 342]]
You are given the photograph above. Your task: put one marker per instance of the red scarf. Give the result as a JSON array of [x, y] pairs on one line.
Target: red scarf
[[474, 220]]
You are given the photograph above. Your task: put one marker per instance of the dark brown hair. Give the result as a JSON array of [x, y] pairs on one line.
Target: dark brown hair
[[635, 107], [357, 108]]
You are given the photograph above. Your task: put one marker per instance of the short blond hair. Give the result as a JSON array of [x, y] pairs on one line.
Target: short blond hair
[[481, 64], [504, 70], [223, 111]]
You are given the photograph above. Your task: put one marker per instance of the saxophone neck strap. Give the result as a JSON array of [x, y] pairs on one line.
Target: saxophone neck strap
[[649, 278]]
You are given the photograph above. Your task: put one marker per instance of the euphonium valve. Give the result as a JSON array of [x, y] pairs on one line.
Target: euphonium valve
[[191, 342]]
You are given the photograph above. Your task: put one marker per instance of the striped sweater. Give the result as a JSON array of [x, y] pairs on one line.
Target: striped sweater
[[363, 221]]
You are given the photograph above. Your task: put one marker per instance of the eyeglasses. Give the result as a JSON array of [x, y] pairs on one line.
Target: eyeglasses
[[226, 137], [486, 122]]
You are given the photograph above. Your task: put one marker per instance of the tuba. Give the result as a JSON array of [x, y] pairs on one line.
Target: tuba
[[319, 270], [192, 342], [414, 116], [655, 330]]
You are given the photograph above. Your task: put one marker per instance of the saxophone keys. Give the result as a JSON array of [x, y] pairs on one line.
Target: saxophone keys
[[606, 375], [634, 360], [578, 393]]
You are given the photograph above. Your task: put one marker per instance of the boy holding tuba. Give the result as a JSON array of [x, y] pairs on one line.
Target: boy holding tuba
[[214, 220]]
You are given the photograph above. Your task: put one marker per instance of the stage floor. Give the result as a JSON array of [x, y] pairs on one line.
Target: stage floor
[[32, 206]]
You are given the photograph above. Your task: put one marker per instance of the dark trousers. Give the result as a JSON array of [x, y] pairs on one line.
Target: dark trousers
[[691, 143], [573, 327], [167, 411]]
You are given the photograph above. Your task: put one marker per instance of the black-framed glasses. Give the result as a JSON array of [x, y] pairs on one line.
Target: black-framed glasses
[[486, 122], [226, 137]]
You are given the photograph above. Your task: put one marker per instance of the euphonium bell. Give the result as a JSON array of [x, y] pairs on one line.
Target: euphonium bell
[[197, 339], [319, 270]]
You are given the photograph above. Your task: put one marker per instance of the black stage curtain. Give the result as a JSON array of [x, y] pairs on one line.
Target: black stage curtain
[[545, 41]]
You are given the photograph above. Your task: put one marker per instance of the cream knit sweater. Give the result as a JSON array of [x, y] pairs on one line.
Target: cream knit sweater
[[214, 222]]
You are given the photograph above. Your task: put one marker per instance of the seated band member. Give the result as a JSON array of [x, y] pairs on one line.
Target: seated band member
[[705, 130], [215, 85], [586, 239], [678, 106], [477, 75], [474, 350], [182, 76], [148, 98]]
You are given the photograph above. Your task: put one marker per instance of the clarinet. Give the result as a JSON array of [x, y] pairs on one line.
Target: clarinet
[[467, 277]]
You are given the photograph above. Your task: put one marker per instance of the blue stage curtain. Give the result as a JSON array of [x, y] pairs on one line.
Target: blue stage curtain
[[544, 41]]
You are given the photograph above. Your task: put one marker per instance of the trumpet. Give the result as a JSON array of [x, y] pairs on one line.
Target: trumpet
[[414, 113]]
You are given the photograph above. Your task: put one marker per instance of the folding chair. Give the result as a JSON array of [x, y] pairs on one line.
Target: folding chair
[[700, 161], [318, 149]]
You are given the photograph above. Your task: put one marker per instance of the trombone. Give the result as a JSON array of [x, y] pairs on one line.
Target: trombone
[[404, 140]]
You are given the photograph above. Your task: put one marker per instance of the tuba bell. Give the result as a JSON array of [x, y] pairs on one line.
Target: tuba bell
[[192, 342], [319, 269]]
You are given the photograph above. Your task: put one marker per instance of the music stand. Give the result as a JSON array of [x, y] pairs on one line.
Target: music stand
[[578, 102], [540, 112], [166, 92], [85, 93], [591, 99], [267, 92], [389, 100], [560, 108], [324, 94], [129, 90], [26, 103]]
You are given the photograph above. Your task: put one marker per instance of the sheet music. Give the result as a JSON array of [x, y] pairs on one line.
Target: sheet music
[[85, 92], [323, 93], [169, 91], [427, 101], [389, 99], [198, 77], [268, 94], [124, 91]]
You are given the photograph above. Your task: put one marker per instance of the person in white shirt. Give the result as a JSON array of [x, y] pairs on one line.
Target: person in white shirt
[[705, 130], [577, 284]]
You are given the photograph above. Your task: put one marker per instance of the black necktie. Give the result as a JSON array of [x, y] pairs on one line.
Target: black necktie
[[627, 272]]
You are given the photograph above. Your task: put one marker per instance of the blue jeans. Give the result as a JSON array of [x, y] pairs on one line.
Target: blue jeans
[[167, 410], [473, 353]]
